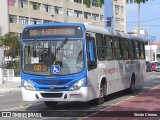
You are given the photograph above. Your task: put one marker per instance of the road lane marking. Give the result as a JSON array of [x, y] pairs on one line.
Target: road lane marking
[[122, 101]]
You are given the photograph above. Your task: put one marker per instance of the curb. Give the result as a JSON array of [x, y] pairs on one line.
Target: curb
[[10, 91]]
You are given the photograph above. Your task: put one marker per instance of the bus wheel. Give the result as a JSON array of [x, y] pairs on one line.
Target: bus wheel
[[50, 104], [132, 85], [100, 100]]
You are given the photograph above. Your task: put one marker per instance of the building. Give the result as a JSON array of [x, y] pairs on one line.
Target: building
[[153, 51], [15, 14], [115, 15]]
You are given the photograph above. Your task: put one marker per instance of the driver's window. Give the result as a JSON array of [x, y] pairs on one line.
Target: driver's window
[[91, 52]]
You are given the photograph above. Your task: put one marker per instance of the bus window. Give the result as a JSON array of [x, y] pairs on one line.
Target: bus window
[[101, 44], [109, 49], [117, 50], [136, 49], [131, 49], [124, 47], [141, 50]]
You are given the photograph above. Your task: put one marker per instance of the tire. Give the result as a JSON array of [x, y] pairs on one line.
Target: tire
[[50, 104], [131, 90], [101, 98]]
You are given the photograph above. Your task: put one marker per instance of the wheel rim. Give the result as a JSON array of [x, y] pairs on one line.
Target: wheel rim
[[101, 95]]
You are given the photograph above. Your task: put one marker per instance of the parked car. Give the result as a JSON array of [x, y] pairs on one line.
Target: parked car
[[154, 64], [148, 66], [158, 67]]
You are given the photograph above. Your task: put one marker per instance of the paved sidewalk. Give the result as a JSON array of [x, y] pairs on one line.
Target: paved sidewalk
[[9, 86]]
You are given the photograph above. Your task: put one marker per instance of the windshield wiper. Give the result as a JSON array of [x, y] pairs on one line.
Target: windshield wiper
[[61, 45]]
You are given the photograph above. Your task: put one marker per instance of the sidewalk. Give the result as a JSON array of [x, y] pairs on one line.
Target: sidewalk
[[9, 86]]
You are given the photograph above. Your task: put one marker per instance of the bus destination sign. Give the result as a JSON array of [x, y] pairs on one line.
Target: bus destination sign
[[41, 32]]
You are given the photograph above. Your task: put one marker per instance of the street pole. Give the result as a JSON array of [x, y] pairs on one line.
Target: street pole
[[138, 27]]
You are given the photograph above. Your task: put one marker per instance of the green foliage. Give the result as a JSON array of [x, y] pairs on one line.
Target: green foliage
[[136, 1], [101, 2], [11, 43], [88, 3]]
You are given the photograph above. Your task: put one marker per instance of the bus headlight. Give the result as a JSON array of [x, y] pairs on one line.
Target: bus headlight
[[78, 84], [28, 85]]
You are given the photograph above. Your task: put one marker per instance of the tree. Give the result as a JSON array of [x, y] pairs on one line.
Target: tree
[[88, 2], [138, 2], [11, 44]]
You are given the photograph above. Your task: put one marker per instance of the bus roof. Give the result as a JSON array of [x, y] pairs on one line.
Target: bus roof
[[90, 28]]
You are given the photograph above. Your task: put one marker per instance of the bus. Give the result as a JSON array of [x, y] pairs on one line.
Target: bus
[[78, 62]]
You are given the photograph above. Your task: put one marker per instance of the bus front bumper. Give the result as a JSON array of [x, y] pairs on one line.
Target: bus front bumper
[[77, 95]]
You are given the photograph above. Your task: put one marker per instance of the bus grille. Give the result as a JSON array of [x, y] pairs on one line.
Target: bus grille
[[51, 82], [51, 95]]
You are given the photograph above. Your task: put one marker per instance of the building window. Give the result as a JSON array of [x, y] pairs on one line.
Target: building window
[[23, 3], [34, 6], [78, 13], [35, 21], [119, 20], [58, 10], [101, 17], [47, 8], [47, 21], [95, 16], [119, 8], [94, 3], [11, 2], [69, 12], [87, 15], [78, 1], [12, 18], [23, 20]]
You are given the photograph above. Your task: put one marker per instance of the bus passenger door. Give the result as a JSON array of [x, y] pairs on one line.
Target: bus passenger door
[[92, 76]]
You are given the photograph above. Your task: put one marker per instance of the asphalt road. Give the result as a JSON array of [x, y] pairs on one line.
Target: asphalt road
[[70, 110]]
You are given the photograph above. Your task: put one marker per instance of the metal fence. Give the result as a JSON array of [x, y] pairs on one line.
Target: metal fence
[[8, 74]]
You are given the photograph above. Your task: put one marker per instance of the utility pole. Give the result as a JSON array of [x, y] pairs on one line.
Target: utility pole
[[138, 27]]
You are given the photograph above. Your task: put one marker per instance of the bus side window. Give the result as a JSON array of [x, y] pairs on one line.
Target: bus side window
[[141, 50], [131, 50], [91, 53], [136, 49], [117, 50], [109, 48], [124, 48], [101, 44]]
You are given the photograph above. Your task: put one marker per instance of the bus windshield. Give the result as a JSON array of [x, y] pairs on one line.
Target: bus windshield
[[40, 56]]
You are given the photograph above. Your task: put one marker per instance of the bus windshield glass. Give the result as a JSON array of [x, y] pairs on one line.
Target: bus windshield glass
[[40, 56]]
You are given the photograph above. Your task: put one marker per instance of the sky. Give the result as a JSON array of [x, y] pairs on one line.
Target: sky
[[149, 18]]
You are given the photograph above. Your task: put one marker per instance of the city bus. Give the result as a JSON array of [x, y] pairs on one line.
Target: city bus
[[78, 62]]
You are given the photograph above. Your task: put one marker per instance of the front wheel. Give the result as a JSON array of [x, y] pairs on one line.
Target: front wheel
[[50, 104], [100, 100]]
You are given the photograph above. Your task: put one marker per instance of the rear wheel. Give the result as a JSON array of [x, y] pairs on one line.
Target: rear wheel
[[132, 85], [100, 100], [50, 103]]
